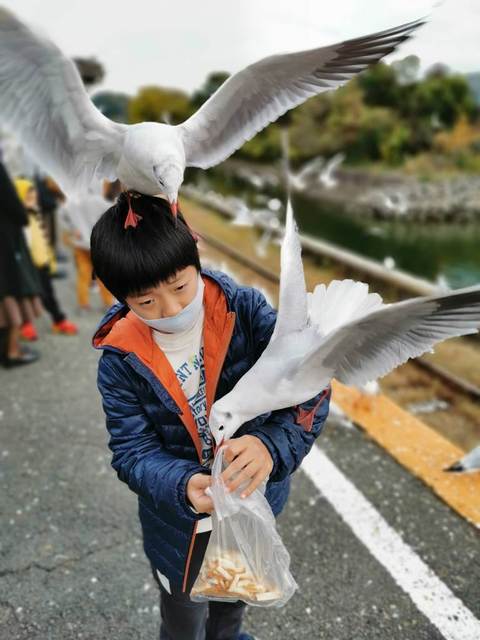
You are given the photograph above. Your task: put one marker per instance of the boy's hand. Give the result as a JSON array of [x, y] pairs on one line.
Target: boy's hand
[[196, 492], [250, 459]]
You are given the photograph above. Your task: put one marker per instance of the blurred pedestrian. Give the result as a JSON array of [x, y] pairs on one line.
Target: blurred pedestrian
[[20, 287], [49, 197], [41, 253], [78, 218]]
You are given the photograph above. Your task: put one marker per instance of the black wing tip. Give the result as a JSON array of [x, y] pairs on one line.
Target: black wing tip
[[456, 467], [465, 298], [406, 29]]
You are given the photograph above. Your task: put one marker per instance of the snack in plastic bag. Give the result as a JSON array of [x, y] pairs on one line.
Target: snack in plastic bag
[[245, 557]]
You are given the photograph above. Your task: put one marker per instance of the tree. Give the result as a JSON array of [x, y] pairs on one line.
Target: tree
[[156, 104], [443, 97], [406, 70], [213, 81], [90, 69], [379, 85], [113, 105]]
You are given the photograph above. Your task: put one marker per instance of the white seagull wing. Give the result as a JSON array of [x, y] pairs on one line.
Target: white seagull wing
[[310, 167], [292, 308], [372, 346], [44, 103], [252, 98]]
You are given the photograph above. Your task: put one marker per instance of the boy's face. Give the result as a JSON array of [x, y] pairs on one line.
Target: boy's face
[[167, 298]]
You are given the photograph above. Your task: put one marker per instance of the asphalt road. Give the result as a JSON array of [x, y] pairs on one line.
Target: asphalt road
[[71, 559]]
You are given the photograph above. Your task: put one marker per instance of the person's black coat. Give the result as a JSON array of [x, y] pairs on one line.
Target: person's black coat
[[18, 275]]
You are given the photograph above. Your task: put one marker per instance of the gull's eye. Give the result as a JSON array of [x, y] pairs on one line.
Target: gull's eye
[[221, 427], [228, 415]]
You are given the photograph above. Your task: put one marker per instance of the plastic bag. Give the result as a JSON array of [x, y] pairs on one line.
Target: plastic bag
[[245, 557]]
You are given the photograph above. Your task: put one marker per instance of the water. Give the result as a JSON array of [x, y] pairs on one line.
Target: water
[[433, 251], [430, 250]]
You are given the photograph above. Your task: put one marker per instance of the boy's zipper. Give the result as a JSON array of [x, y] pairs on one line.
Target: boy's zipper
[[228, 337], [189, 557], [230, 326]]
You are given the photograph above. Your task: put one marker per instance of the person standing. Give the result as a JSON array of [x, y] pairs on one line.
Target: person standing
[[41, 254], [78, 218], [20, 286]]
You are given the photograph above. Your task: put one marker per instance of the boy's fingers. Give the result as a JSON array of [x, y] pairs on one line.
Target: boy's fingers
[[256, 482], [206, 481], [205, 506], [233, 448], [228, 454], [202, 481], [247, 473], [236, 466]]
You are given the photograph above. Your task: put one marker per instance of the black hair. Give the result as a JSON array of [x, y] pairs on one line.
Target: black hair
[[132, 260]]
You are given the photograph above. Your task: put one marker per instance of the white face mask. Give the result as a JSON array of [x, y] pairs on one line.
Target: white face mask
[[181, 321]]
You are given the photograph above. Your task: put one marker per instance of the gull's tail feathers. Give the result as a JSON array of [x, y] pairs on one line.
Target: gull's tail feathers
[[342, 301]]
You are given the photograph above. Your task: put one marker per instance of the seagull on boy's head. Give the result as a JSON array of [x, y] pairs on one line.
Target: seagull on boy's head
[[42, 99]]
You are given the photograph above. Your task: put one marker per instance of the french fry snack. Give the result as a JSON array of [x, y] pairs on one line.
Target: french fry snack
[[245, 557]]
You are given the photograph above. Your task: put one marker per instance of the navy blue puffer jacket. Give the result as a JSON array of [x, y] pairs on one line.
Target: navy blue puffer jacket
[[152, 432]]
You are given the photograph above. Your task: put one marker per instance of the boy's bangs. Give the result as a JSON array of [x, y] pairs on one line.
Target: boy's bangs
[[145, 270], [133, 260]]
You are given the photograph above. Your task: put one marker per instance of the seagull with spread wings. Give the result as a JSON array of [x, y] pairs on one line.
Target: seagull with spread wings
[[341, 331], [43, 101]]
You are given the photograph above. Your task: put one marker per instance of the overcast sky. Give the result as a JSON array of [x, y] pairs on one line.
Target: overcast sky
[[177, 43]]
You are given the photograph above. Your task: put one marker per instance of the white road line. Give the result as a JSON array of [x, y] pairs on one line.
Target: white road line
[[431, 596]]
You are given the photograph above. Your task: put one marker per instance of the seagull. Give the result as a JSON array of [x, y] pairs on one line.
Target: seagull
[[299, 180], [469, 463], [243, 215], [43, 101], [341, 331], [326, 176], [396, 202]]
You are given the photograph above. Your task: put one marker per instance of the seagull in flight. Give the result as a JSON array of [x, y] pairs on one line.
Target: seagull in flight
[[44, 103], [341, 331]]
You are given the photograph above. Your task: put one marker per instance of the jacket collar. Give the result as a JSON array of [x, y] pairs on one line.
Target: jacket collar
[[122, 331]]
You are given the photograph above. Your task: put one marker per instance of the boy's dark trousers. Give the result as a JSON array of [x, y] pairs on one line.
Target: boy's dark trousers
[[182, 619]]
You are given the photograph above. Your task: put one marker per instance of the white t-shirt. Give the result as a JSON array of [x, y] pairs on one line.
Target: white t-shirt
[[185, 353]]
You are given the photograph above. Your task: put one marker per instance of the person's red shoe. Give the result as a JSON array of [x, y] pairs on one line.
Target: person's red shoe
[[28, 332], [65, 327]]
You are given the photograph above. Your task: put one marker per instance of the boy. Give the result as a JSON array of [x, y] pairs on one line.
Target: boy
[[179, 339]]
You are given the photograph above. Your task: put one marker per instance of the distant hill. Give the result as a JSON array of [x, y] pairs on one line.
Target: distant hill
[[473, 80]]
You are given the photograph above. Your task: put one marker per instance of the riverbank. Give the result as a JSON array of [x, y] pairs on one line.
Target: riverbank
[[385, 195]]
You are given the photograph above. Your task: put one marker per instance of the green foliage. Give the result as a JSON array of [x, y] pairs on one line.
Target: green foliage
[[212, 83], [406, 70], [395, 145], [380, 86], [387, 114], [155, 104], [112, 105], [264, 147], [446, 97]]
